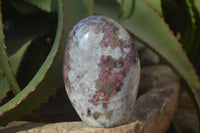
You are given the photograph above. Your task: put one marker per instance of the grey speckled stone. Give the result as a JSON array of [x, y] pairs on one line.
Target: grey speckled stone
[[101, 72]]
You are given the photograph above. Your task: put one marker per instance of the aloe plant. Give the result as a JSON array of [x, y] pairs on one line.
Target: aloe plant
[[151, 22]]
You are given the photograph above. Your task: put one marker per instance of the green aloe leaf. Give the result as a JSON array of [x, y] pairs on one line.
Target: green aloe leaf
[[16, 58], [156, 5], [123, 5], [4, 88], [5, 67], [49, 76], [26, 100], [46, 5], [193, 49], [151, 29], [197, 5], [14, 62]]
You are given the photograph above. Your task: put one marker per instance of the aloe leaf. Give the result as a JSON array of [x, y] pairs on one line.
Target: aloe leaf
[[123, 5], [4, 88], [156, 5], [5, 67], [46, 5], [195, 46], [49, 76], [14, 62], [26, 100], [197, 5], [121, 2], [151, 29], [16, 58]]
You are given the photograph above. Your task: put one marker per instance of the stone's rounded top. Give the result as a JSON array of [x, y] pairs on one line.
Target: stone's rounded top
[[101, 71], [96, 24]]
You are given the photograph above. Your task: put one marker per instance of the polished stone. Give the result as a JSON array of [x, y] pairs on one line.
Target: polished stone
[[101, 72]]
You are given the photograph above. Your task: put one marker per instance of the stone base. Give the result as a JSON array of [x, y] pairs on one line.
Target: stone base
[[153, 112]]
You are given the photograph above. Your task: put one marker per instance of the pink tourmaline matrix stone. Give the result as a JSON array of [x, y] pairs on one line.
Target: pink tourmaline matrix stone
[[101, 72]]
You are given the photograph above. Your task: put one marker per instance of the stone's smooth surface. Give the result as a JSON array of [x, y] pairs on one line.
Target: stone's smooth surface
[[101, 72]]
